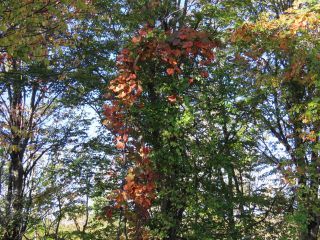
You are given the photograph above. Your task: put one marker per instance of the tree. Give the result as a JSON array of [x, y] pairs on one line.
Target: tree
[[31, 88], [285, 90], [211, 110], [165, 114]]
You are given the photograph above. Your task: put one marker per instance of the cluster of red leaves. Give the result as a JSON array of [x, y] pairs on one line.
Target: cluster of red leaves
[[186, 43], [124, 92], [139, 185]]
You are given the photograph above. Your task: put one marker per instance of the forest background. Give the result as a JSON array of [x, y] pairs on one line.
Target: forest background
[[159, 119]]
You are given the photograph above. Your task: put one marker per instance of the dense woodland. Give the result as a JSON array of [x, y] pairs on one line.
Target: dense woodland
[[159, 119]]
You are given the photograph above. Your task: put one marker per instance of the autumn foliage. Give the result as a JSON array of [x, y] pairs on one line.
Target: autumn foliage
[[171, 50]]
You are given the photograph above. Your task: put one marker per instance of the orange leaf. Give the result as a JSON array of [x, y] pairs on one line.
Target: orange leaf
[[120, 145], [136, 39], [144, 151], [170, 71], [176, 52], [121, 95], [118, 138], [130, 177]]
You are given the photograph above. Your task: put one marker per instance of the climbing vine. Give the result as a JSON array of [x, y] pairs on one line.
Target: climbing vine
[[174, 52]]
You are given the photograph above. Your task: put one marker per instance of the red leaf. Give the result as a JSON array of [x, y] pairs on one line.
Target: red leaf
[[144, 151], [142, 32], [172, 98], [125, 51], [176, 42], [176, 52], [182, 36], [125, 138], [188, 44], [198, 44], [204, 74], [139, 90], [132, 76], [109, 213]]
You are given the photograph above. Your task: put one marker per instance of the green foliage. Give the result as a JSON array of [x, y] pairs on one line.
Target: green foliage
[[234, 143]]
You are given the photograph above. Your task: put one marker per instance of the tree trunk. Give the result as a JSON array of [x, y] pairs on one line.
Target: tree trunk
[[173, 231], [312, 230], [15, 197], [15, 219]]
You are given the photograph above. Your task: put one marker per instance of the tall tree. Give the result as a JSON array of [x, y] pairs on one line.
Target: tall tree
[[31, 86], [282, 57], [178, 127]]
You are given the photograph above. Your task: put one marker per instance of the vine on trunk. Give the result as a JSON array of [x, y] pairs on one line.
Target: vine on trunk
[[171, 50]]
